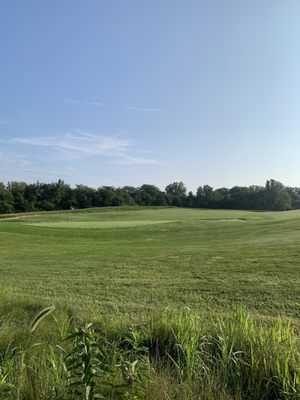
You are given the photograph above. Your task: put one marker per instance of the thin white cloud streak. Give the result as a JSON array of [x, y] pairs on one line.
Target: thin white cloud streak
[[15, 166], [81, 145], [89, 103], [143, 109], [126, 159], [14, 159]]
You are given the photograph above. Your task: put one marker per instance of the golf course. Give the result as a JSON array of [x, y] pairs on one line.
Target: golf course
[[131, 260], [150, 303]]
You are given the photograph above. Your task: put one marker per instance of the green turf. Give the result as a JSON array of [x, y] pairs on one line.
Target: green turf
[[131, 260], [96, 224]]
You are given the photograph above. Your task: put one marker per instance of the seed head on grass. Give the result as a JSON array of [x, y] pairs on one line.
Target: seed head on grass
[[40, 316]]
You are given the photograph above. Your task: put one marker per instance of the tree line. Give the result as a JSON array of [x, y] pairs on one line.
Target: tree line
[[21, 197]]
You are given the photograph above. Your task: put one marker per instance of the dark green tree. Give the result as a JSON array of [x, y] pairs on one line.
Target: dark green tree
[[152, 196], [6, 200], [276, 196], [176, 192], [17, 189]]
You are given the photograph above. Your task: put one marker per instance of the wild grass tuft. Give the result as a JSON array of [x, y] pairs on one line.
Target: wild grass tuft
[[175, 355]]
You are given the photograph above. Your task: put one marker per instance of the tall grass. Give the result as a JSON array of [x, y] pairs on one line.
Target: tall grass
[[175, 355]]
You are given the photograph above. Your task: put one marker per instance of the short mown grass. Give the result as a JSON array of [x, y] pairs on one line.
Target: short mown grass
[[207, 260]]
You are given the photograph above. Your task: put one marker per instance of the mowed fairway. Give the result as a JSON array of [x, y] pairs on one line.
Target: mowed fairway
[[122, 260]]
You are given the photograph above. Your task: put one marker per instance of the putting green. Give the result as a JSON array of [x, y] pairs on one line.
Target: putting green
[[98, 224]]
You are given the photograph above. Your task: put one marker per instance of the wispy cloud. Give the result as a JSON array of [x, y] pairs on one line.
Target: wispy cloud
[[143, 109], [16, 166], [126, 159], [81, 145], [89, 103], [78, 157], [13, 159]]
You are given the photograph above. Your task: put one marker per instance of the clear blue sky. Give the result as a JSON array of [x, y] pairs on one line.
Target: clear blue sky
[[114, 92]]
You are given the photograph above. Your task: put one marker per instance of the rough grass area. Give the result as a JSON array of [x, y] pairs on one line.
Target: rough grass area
[[168, 356]]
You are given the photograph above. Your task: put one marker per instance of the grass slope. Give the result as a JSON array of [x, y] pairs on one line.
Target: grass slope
[[125, 260]]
